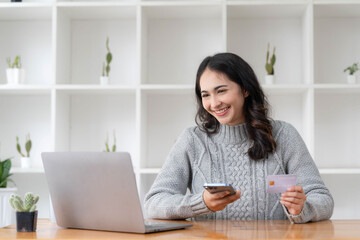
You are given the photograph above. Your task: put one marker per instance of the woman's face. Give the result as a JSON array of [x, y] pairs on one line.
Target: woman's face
[[222, 98]]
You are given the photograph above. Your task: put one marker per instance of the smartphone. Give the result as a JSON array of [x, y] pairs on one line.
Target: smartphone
[[219, 187]]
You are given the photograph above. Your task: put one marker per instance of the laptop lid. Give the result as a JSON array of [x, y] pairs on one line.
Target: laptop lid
[[94, 190]]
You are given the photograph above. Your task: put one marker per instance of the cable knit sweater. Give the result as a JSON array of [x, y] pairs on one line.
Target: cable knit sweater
[[197, 158]]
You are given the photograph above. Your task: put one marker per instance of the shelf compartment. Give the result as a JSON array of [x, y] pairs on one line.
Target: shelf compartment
[[160, 124], [22, 114], [337, 130], [290, 107], [251, 27], [336, 44], [26, 31], [81, 48], [172, 57], [84, 119], [343, 189], [146, 181]]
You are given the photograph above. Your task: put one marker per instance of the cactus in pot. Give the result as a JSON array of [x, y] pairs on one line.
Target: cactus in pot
[[107, 148], [25, 160], [15, 74], [269, 66], [26, 213], [26, 205], [351, 78], [106, 67]]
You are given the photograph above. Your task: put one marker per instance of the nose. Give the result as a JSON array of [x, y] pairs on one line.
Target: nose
[[214, 102]]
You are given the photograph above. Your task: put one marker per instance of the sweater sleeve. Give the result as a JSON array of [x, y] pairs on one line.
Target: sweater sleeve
[[319, 203], [167, 198]]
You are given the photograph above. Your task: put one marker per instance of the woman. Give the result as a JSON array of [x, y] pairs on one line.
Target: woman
[[235, 142]]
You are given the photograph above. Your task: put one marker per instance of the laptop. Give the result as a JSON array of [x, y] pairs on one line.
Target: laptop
[[97, 190]]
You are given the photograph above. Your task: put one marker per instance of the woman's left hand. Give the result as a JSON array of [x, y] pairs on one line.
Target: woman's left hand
[[293, 199]]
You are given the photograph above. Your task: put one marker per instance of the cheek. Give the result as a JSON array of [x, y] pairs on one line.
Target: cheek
[[205, 105]]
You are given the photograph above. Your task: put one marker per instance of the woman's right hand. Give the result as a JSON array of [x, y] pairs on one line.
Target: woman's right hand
[[218, 201]]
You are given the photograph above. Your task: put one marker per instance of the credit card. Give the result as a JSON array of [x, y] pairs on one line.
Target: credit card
[[280, 183]]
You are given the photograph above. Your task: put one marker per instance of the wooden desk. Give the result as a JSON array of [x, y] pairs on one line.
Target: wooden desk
[[220, 229]]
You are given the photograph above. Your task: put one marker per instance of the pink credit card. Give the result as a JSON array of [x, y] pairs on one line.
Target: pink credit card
[[279, 183]]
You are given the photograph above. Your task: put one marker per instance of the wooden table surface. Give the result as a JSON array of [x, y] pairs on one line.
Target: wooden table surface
[[219, 229]]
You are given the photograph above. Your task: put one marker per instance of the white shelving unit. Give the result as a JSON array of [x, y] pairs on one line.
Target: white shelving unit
[[157, 47]]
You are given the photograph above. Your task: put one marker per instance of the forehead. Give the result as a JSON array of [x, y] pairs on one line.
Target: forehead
[[211, 79]]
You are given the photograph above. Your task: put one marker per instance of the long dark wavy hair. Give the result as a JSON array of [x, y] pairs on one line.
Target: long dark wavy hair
[[255, 106]]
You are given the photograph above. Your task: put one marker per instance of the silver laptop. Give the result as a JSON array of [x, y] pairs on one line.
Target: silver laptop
[[97, 190]]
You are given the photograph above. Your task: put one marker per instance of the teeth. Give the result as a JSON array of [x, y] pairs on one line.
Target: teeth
[[222, 110]]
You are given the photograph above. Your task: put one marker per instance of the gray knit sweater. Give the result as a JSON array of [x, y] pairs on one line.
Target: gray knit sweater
[[197, 158]]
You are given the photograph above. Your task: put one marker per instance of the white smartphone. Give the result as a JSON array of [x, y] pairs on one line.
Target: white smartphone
[[219, 187]]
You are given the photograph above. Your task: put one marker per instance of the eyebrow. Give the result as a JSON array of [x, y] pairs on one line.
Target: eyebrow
[[215, 88]]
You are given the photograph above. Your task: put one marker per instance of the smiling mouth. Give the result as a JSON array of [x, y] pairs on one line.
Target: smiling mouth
[[222, 111]]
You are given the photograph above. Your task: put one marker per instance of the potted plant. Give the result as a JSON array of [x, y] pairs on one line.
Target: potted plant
[[107, 149], [7, 216], [104, 79], [26, 213], [351, 78], [269, 66], [14, 73], [25, 160]]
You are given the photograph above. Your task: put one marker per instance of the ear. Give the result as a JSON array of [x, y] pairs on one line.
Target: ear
[[245, 93]]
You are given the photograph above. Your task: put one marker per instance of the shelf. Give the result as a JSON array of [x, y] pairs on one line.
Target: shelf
[[25, 11], [98, 10], [337, 88], [337, 9], [148, 170], [24, 89], [95, 89], [27, 170], [339, 171]]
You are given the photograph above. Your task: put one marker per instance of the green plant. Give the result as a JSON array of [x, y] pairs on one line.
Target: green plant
[[352, 69], [269, 66], [106, 70], [107, 149], [28, 145], [15, 64], [5, 167], [28, 205]]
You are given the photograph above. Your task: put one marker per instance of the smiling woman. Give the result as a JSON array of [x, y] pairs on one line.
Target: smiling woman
[[237, 144]]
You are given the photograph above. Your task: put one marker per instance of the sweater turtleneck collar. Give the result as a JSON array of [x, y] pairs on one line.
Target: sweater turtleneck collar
[[232, 134]]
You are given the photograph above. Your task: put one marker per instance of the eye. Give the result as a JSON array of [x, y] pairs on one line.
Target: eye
[[222, 90], [204, 95]]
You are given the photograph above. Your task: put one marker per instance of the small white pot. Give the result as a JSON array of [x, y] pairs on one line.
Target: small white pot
[[351, 79], [104, 80], [25, 162], [15, 76], [269, 79], [7, 216]]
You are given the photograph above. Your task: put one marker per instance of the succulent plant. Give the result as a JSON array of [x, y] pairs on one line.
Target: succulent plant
[[352, 69], [106, 69], [28, 145], [5, 167], [15, 64], [26, 205], [107, 149], [269, 66]]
